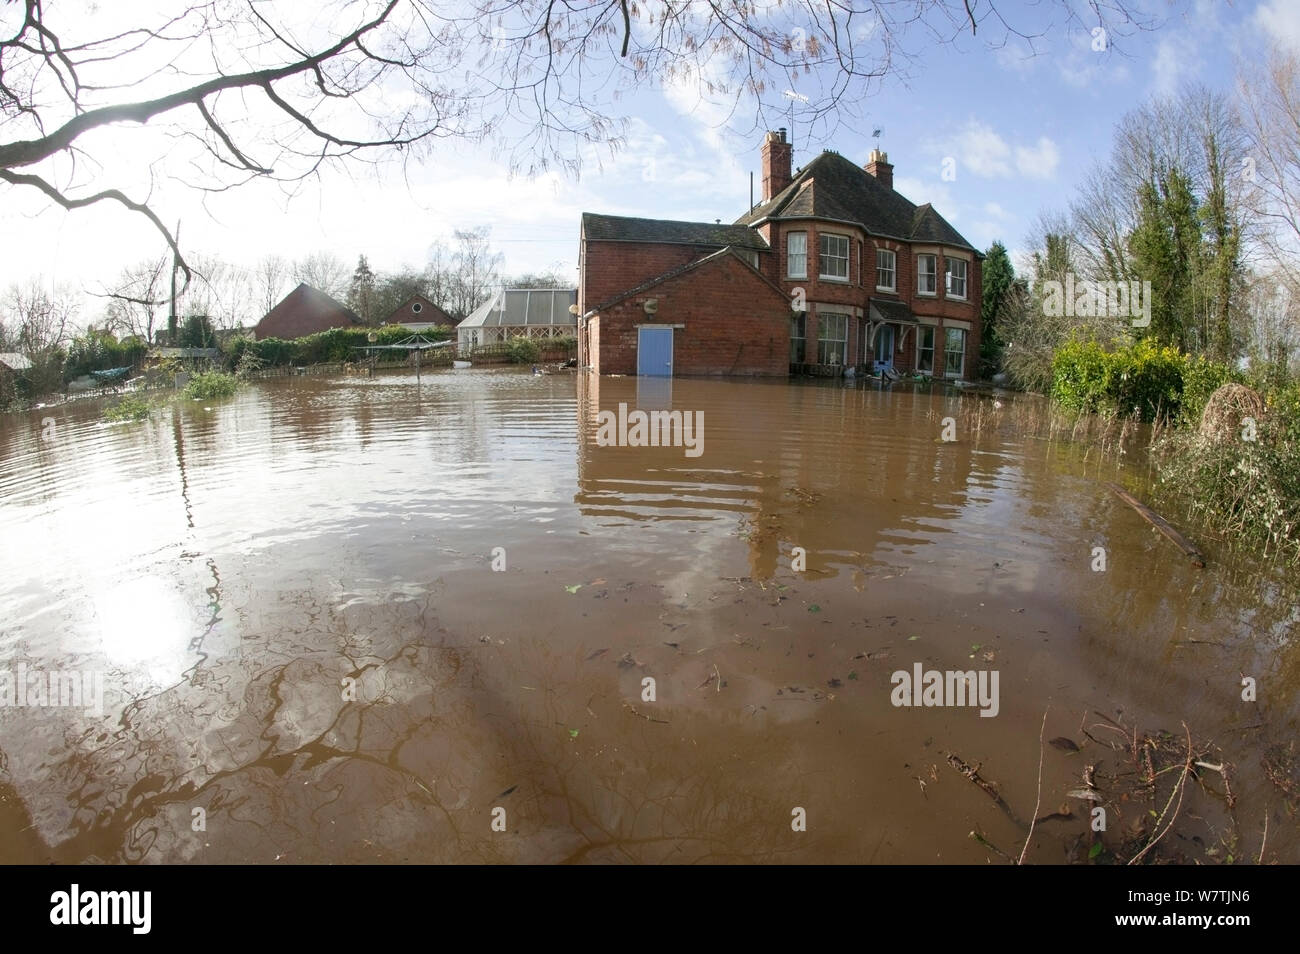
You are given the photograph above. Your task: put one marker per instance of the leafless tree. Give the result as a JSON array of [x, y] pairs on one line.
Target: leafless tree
[[138, 299], [323, 271], [39, 319], [1269, 98], [270, 281], [243, 90], [474, 270]]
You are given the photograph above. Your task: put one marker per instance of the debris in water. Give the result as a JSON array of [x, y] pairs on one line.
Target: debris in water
[[1064, 744]]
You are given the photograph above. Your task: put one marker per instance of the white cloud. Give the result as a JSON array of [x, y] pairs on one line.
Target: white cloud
[[1038, 161], [1280, 19], [1167, 67], [979, 149]]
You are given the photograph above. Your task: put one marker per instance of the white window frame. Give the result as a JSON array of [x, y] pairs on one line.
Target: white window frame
[[948, 264], [892, 270], [961, 369], [842, 341], [933, 274], [822, 238], [921, 349], [791, 256]]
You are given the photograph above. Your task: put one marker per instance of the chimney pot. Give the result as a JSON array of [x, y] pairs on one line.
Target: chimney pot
[[878, 165]]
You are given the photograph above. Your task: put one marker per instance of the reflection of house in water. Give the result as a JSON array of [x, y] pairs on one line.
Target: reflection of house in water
[[850, 475]]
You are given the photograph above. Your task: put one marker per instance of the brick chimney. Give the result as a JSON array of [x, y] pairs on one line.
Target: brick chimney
[[776, 164], [879, 167]]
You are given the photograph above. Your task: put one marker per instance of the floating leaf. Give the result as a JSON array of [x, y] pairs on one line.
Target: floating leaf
[[1094, 851], [974, 647], [814, 608], [574, 588], [573, 733], [1064, 744], [910, 638], [598, 652], [853, 674]]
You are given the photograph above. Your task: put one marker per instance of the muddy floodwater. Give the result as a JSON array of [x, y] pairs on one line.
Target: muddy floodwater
[[365, 620]]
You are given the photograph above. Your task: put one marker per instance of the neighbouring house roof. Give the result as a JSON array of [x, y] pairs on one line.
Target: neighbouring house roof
[[884, 309], [14, 361], [305, 311], [683, 269], [618, 228], [832, 187], [418, 310], [519, 307]]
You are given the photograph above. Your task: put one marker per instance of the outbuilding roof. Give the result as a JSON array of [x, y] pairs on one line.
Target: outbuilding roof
[[619, 228], [15, 361]]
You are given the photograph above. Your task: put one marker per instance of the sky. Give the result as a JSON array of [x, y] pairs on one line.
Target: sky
[[990, 137]]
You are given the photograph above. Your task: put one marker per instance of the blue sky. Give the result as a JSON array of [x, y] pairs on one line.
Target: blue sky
[[1021, 130]]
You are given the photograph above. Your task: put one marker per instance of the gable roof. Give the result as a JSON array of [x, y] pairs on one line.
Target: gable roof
[[519, 307], [619, 228], [426, 313], [305, 311], [832, 187], [709, 259], [14, 361]]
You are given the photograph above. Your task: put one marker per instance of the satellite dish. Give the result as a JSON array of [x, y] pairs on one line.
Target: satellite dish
[[651, 306]]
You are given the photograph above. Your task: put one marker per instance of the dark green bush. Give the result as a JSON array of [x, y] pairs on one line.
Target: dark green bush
[[523, 351]]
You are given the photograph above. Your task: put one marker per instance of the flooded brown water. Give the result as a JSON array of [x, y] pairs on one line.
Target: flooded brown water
[[308, 654]]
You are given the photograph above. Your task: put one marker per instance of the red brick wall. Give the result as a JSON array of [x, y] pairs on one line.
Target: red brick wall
[[733, 323], [841, 297]]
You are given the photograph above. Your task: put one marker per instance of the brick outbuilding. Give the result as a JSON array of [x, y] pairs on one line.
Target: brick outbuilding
[[305, 311]]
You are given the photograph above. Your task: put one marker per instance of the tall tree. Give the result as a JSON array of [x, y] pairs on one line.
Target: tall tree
[[1166, 249], [998, 277], [361, 291]]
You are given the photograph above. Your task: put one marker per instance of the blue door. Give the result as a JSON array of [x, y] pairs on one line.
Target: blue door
[[654, 352]]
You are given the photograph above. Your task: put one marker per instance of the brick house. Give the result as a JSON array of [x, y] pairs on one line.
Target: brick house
[[418, 314], [855, 274], [305, 311]]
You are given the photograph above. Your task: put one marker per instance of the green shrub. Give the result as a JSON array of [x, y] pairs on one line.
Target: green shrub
[[210, 384], [1142, 380], [1145, 380], [1201, 378], [130, 408], [523, 350], [1079, 376]]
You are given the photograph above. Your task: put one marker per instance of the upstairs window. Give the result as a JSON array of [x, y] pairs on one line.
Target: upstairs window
[[835, 257], [954, 277], [925, 274], [796, 254], [886, 270]]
